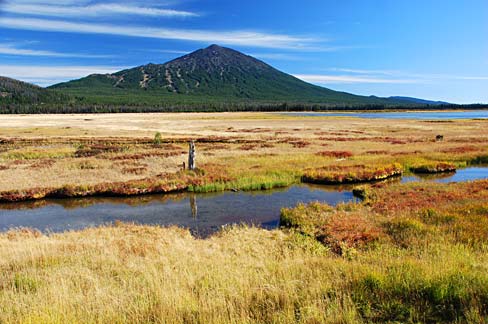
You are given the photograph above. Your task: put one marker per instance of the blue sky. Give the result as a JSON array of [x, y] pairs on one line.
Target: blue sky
[[430, 49]]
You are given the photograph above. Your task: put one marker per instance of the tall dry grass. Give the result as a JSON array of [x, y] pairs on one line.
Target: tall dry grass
[[388, 260], [136, 274]]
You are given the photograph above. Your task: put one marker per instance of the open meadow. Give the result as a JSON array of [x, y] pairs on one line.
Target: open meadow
[[235, 150], [406, 253]]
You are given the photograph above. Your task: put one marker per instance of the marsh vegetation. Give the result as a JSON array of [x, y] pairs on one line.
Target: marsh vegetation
[[409, 252]]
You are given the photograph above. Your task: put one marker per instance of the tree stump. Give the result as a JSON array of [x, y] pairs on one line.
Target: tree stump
[[191, 156]]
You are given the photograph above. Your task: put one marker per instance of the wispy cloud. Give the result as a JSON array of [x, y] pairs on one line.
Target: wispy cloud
[[242, 38], [15, 49], [52, 2], [335, 79], [54, 9], [276, 56], [451, 77], [361, 71], [347, 75], [48, 75], [179, 52]]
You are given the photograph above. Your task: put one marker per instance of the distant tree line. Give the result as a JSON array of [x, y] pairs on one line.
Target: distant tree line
[[19, 108]]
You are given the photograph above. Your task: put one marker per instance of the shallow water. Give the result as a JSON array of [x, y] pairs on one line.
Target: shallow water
[[422, 115], [203, 214], [461, 175]]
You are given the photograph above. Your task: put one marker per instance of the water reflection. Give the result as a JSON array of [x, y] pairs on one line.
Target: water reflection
[[203, 214], [193, 205]]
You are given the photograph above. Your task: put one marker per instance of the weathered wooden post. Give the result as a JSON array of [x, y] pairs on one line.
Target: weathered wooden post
[[191, 156]]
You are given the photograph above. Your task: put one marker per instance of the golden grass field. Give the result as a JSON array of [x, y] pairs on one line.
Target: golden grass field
[[59, 150], [409, 253]]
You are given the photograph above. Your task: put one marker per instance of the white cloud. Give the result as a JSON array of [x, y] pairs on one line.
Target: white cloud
[[384, 76], [276, 56], [56, 9], [52, 2], [460, 77], [335, 79], [243, 38], [172, 52], [48, 75], [13, 49], [360, 71]]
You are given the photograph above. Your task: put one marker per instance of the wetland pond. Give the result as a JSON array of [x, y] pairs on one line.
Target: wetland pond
[[203, 214]]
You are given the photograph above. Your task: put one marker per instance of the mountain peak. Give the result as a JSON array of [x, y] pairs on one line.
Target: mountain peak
[[214, 47], [218, 62], [215, 50], [216, 72]]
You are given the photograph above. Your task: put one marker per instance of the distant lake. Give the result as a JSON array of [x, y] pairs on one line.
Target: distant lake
[[461, 175], [423, 115]]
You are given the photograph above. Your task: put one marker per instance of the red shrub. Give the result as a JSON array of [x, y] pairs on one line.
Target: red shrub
[[378, 152], [460, 149], [348, 230], [247, 147], [300, 144], [336, 154]]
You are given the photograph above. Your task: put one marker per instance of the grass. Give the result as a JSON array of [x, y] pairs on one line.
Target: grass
[[236, 151], [247, 184], [164, 183], [422, 221], [483, 159], [352, 174], [254, 150], [37, 153], [130, 273], [409, 253], [434, 167]]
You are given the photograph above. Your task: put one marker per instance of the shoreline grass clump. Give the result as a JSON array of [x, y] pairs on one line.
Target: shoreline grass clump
[[341, 229], [482, 159], [266, 181], [351, 174], [434, 167], [164, 183]]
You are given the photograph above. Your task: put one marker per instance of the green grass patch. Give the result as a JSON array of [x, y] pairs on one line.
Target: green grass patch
[[267, 181]]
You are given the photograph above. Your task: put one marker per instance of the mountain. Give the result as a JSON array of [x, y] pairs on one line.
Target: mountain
[[210, 79], [419, 101], [213, 73], [17, 92]]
